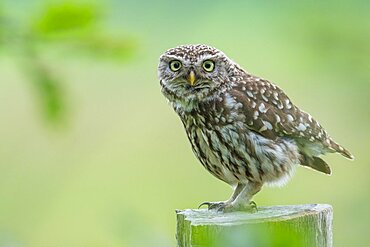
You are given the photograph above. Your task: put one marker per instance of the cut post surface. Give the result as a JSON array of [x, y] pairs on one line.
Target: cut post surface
[[292, 225]]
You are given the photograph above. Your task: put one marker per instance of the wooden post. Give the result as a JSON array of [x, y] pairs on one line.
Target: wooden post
[[293, 225]]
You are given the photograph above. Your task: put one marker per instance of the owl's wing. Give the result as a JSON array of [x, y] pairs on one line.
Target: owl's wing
[[269, 112]]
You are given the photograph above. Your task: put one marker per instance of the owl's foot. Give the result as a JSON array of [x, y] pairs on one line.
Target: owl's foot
[[230, 207], [233, 207], [214, 205]]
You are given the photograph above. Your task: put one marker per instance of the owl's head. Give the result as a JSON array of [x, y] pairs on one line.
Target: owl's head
[[190, 72]]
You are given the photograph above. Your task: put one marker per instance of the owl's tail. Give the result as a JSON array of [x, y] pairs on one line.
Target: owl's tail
[[339, 149], [315, 163]]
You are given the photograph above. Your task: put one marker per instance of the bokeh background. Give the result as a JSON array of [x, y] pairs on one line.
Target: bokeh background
[[92, 155]]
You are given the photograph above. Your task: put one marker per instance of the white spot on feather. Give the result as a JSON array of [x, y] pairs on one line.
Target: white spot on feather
[[238, 106], [301, 127], [290, 118], [262, 108], [263, 128], [277, 118], [265, 98], [287, 104], [267, 124]]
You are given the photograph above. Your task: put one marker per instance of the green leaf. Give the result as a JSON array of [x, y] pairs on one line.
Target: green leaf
[[66, 17]]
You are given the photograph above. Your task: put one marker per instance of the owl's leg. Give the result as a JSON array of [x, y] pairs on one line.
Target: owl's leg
[[220, 205], [243, 201]]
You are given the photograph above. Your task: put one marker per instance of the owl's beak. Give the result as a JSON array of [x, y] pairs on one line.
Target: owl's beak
[[191, 77]]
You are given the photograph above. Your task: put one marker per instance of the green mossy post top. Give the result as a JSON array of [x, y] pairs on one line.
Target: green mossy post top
[[290, 225]]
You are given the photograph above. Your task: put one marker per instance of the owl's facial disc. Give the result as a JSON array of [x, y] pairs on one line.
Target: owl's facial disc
[[189, 74]]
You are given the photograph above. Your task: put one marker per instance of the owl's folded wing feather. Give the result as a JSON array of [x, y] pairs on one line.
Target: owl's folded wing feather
[[269, 112]]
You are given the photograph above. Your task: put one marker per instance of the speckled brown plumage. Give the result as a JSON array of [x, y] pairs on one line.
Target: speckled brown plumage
[[243, 129]]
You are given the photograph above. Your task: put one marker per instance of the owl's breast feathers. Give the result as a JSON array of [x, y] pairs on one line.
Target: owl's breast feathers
[[269, 112]]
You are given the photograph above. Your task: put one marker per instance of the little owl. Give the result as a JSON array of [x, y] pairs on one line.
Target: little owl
[[243, 129]]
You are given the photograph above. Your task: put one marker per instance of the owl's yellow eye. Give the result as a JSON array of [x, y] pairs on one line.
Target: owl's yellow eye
[[175, 65], [208, 65]]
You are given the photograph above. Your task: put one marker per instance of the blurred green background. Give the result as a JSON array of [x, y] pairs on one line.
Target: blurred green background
[[91, 154]]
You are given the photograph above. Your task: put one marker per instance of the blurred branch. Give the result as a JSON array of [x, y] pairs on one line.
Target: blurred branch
[[49, 91], [2, 27], [71, 25], [50, 94]]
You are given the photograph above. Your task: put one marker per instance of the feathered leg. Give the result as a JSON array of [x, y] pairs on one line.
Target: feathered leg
[[219, 206]]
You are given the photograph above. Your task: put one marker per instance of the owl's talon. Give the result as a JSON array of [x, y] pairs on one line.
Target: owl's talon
[[253, 206], [218, 206], [204, 203]]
